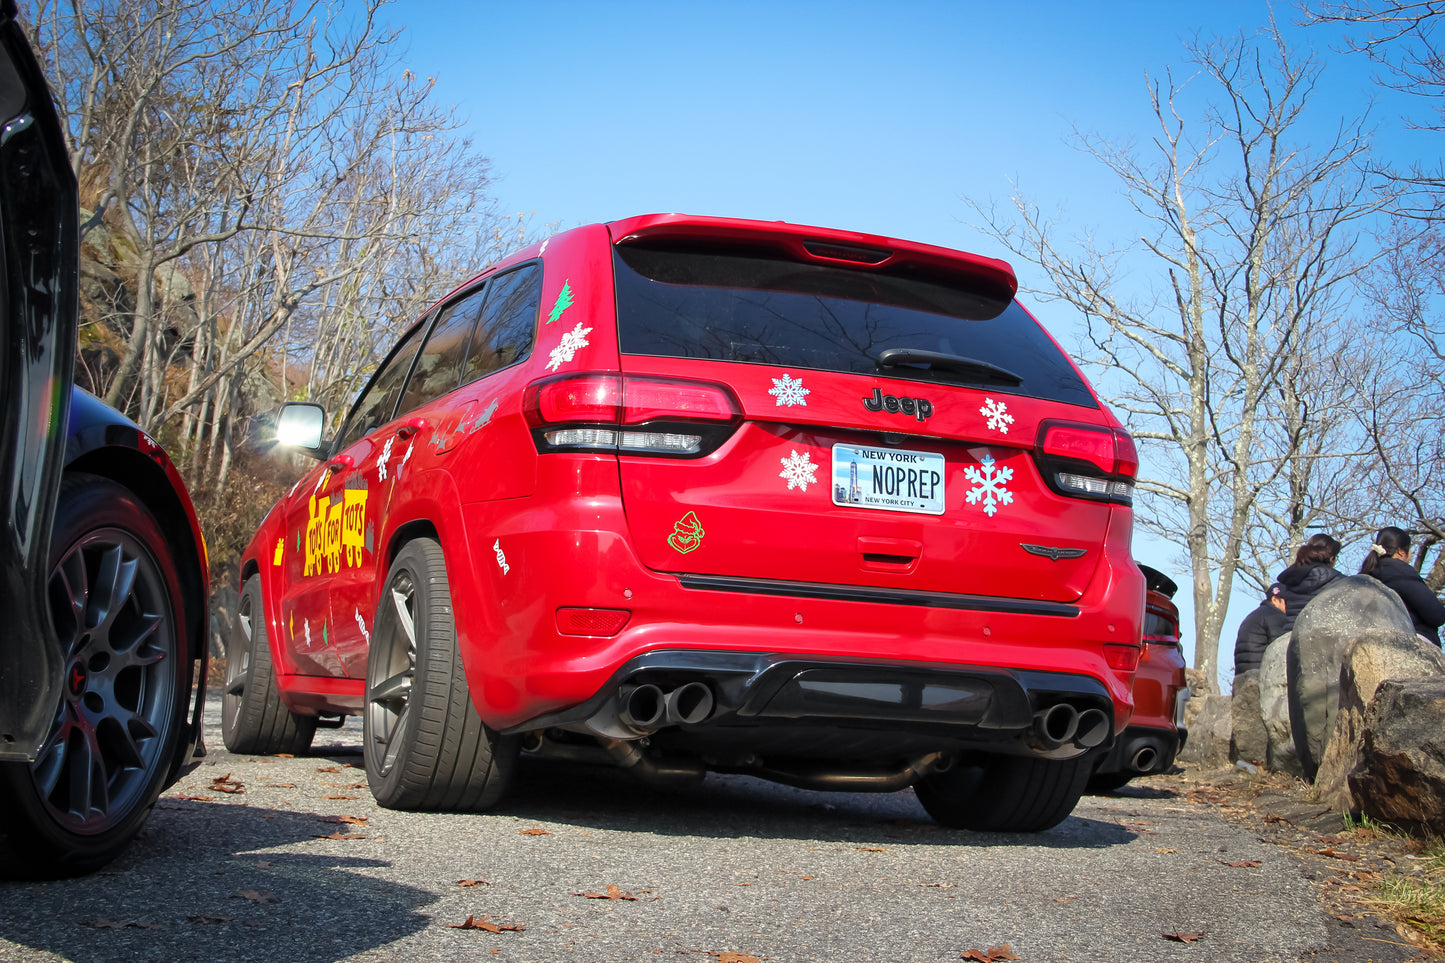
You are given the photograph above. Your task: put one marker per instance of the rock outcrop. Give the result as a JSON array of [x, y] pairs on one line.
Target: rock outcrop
[[1401, 776], [1274, 709], [1344, 611], [1249, 741], [1377, 655]]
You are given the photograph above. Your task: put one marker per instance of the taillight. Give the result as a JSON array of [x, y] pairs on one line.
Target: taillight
[[636, 415], [1088, 461]]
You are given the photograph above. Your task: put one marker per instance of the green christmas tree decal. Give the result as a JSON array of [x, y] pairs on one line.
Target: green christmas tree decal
[[563, 302]]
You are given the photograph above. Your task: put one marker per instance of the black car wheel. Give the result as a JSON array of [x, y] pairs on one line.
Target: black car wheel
[[425, 745], [1018, 794], [253, 718], [116, 605]]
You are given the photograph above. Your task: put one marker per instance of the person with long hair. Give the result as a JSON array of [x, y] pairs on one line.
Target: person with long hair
[[1313, 569], [1389, 561]]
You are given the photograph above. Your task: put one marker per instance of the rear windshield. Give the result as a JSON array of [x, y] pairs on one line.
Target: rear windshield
[[729, 307]]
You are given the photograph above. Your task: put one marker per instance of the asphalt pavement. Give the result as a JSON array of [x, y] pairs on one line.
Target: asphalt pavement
[[289, 860]]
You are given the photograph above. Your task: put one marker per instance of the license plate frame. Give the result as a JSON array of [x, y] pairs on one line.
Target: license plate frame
[[889, 479]]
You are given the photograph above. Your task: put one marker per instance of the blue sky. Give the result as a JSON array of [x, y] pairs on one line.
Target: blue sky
[[865, 116]]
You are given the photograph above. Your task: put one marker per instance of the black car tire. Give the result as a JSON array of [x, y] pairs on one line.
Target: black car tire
[[425, 746], [1005, 793], [254, 720], [116, 604], [1101, 783]]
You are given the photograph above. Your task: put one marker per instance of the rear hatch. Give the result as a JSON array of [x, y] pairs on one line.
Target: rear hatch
[[869, 413]]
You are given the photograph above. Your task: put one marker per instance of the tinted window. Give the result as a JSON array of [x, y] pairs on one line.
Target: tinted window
[[439, 367], [726, 307], [375, 406], [509, 322]]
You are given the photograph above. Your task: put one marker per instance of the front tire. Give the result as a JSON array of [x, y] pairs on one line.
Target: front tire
[[425, 746], [116, 605], [1019, 794], [254, 720]]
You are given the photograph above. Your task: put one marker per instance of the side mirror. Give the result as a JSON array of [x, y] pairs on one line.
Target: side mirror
[[299, 425]]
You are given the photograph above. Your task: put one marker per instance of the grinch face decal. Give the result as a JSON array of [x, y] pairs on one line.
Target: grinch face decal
[[686, 534]]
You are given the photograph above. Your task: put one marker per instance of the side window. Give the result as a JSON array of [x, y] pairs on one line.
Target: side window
[[439, 367], [376, 404], [509, 322]]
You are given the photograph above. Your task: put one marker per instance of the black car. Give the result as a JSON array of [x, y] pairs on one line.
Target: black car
[[103, 569]]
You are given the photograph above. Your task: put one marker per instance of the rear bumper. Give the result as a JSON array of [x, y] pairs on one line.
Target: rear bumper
[[956, 706]]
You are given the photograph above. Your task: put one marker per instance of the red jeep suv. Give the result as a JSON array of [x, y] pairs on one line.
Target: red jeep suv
[[691, 493]]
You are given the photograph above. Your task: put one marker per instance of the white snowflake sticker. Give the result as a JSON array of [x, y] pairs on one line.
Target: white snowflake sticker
[[990, 490], [572, 342], [799, 470], [501, 557], [361, 624], [307, 626], [789, 391], [385, 457], [996, 412], [405, 458]]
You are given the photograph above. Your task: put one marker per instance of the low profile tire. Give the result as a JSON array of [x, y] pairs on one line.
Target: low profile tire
[[116, 604], [1107, 782], [254, 720], [1018, 794], [425, 746]]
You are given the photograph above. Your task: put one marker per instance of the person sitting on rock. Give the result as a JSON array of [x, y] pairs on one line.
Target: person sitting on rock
[[1389, 561], [1313, 569], [1259, 629]]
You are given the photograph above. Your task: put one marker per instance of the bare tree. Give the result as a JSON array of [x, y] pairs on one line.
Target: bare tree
[[1250, 239]]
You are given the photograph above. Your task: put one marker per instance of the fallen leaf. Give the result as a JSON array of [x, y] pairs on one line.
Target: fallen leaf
[[352, 820], [1166, 851], [1243, 864], [870, 849], [278, 785], [533, 832], [939, 885], [473, 882], [1065, 899], [284, 755], [994, 954], [349, 798], [730, 957], [340, 835], [1276, 818], [227, 784], [473, 923], [1183, 937], [210, 920], [613, 892], [194, 798], [255, 896], [328, 769], [1334, 855]]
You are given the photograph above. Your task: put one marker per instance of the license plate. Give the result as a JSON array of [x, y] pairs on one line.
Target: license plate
[[890, 479]]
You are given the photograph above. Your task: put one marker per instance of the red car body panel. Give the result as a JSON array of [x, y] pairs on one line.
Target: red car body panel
[[678, 544]]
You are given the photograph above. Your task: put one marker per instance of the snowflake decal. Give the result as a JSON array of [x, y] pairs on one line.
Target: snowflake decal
[[501, 557], [572, 342], [990, 488], [405, 458], [361, 624], [789, 391], [799, 470], [307, 626], [385, 457], [544, 246], [997, 414]]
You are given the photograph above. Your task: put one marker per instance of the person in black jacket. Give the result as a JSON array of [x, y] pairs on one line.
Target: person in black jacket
[[1389, 561], [1259, 629], [1313, 569]]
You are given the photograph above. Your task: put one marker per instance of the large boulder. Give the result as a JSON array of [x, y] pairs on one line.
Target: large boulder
[[1401, 776], [1248, 740], [1377, 655], [1208, 743], [1341, 613], [1274, 709]]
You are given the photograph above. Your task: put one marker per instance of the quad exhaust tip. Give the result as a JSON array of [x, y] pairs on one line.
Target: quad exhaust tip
[[646, 708]]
